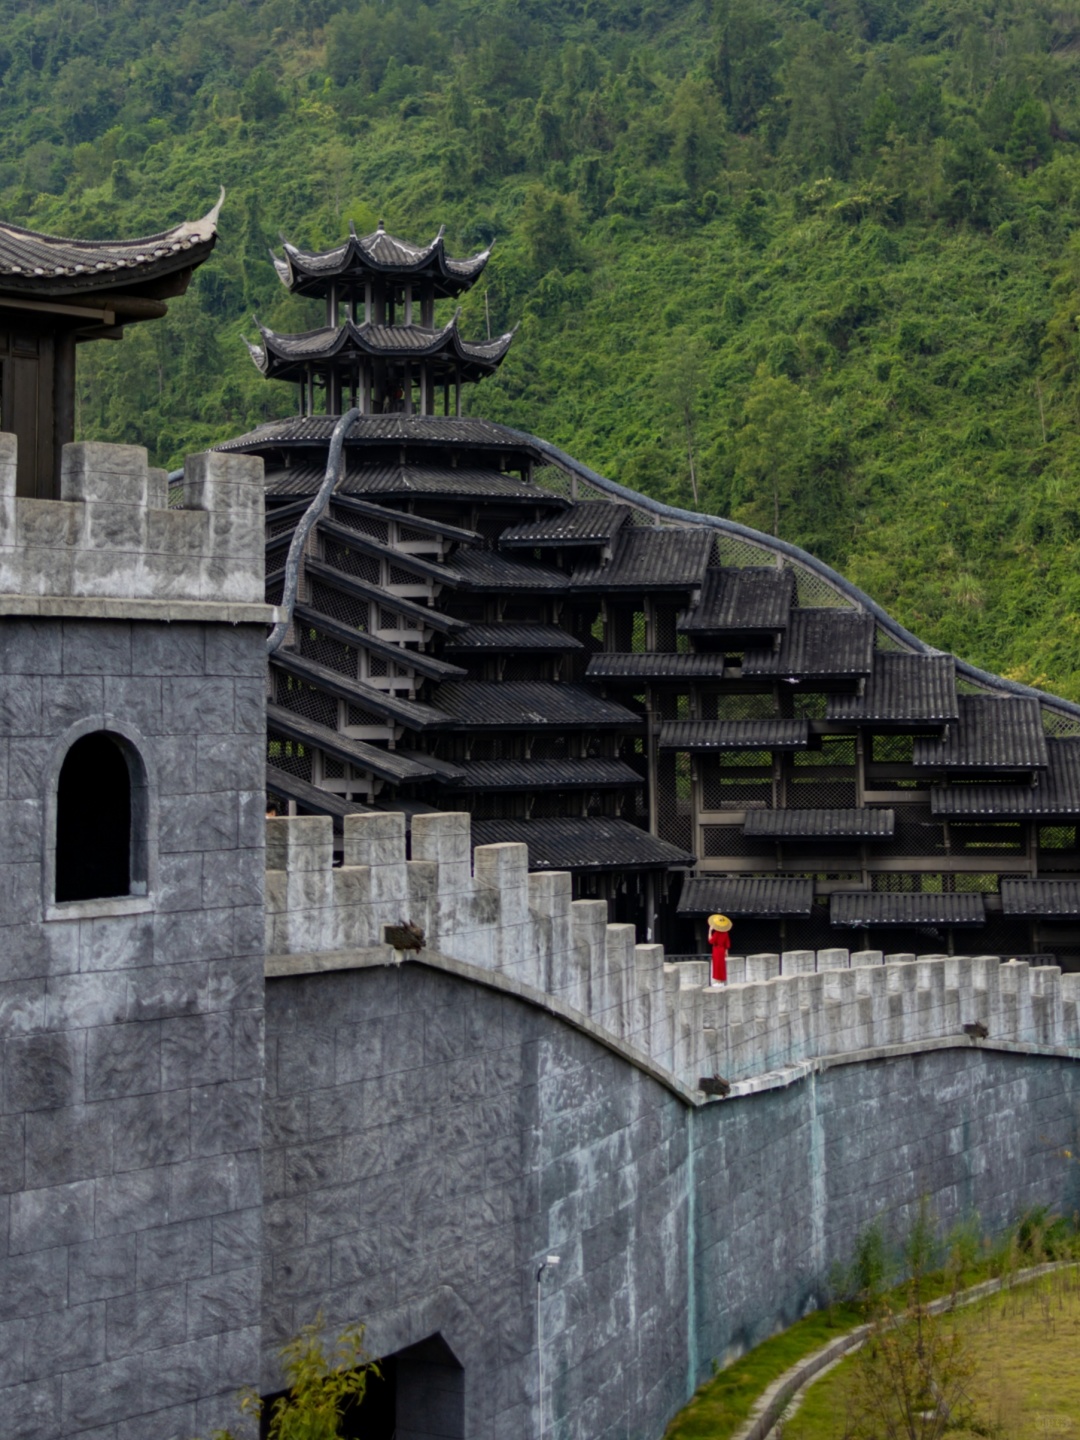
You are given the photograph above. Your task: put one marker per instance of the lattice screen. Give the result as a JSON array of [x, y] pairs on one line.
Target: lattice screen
[[352, 562], [339, 606], [289, 755], [363, 524], [325, 650], [306, 700]]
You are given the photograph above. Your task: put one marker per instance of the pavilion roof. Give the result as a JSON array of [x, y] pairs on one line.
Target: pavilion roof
[[740, 602], [363, 257], [750, 896], [287, 357], [858, 908], [649, 557], [902, 688], [992, 732], [588, 522], [593, 843], [820, 643], [50, 266]]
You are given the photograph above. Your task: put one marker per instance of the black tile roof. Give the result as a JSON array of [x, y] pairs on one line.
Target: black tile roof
[[1057, 795], [310, 799], [746, 896], [991, 733], [821, 824], [383, 429], [310, 272], [353, 585], [443, 770], [902, 688], [1048, 898], [736, 602], [410, 713], [403, 481], [387, 764], [596, 843], [775, 734], [415, 660], [526, 704], [486, 571], [33, 263], [867, 908], [283, 357], [822, 643], [651, 558], [590, 522], [597, 774], [654, 665], [498, 639]]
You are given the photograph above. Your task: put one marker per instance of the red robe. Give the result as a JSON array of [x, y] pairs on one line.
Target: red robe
[[720, 944]]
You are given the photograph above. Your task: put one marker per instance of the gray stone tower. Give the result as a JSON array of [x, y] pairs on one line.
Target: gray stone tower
[[132, 674]]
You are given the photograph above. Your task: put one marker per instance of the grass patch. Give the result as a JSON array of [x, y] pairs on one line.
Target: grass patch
[[723, 1403], [1025, 1384], [876, 1278]]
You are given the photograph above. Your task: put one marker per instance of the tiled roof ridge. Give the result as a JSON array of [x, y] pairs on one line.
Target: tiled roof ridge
[[364, 248], [17, 239]]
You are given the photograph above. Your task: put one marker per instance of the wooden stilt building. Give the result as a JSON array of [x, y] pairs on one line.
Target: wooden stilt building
[[686, 718]]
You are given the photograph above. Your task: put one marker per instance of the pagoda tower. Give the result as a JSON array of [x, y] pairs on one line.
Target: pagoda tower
[[688, 716], [380, 350]]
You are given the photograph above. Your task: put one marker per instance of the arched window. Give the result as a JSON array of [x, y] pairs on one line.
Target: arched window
[[100, 820]]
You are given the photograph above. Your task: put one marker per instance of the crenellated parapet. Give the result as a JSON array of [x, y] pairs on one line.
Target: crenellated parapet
[[113, 537], [778, 1017]]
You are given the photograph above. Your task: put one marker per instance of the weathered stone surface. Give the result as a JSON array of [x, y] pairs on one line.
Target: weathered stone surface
[[130, 1044]]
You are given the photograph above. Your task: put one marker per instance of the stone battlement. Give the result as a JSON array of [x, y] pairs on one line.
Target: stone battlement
[[112, 536], [483, 908]]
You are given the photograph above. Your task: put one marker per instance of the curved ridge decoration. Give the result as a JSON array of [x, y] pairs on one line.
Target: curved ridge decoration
[[397, 257]]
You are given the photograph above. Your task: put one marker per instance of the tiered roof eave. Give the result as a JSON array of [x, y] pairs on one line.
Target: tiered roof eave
[[288, 357], [379, 255]]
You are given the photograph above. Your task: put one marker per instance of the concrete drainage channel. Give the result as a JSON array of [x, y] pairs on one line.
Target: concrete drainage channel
[[773, 1405]]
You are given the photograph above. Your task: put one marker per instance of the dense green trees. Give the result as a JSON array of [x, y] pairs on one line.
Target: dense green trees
[[812, 265]]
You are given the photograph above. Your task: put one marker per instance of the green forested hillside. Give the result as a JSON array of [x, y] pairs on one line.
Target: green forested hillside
[[819, 260]]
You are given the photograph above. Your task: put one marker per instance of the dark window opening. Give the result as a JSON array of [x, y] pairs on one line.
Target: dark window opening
[[95, 827]]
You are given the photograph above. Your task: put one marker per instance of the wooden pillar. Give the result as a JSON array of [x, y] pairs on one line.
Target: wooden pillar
[[407, 388], [408, 304], [367, 302], [332, 306], [63, 400], [446, 397], [457, 391]]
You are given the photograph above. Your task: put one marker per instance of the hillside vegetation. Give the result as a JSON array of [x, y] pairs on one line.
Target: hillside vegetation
[[816, 259]]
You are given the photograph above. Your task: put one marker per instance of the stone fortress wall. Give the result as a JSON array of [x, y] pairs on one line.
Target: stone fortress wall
[[226, 1103], [528, 1082], [777, 1016], [131, 1050]]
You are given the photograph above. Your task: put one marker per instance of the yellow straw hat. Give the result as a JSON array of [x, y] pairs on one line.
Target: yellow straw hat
[[719, 922]]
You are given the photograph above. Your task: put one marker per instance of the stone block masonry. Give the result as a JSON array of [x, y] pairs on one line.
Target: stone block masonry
[[131, 1027], [112, 537], [778, 1015]]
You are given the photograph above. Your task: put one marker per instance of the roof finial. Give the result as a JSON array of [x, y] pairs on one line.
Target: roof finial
[[202, 229], [380, 226]]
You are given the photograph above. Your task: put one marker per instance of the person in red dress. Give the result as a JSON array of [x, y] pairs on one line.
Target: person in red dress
[[719, 944]]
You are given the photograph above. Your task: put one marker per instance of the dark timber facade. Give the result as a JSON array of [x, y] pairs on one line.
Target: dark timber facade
[[56, 294], [687, 719]]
